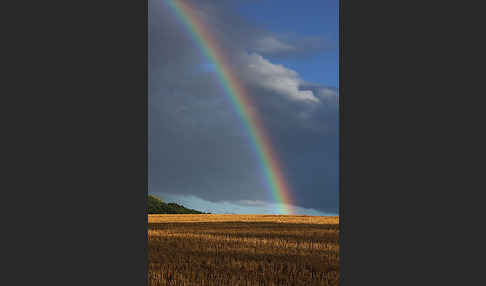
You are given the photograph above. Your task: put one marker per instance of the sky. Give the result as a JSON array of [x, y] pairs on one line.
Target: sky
[[286, 54]]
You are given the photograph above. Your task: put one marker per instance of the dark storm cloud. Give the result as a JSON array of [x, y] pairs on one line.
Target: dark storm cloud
[[306, 138], [197, 145]]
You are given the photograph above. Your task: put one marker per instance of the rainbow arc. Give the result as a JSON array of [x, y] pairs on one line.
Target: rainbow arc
[[241, 101]]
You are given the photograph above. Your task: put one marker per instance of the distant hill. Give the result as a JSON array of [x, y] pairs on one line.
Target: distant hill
[[157, 206]]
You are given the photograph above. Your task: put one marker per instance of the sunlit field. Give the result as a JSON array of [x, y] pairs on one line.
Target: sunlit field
[[243, 250]]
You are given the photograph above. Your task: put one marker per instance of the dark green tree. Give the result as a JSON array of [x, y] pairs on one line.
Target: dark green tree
[[157, 206]]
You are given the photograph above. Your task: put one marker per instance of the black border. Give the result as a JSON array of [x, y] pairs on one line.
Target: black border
[[76, 188], [388, 180]]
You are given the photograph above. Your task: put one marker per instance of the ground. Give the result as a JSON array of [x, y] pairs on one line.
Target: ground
[[266, 250]]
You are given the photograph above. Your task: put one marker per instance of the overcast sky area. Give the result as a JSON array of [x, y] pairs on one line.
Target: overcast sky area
[[286, 53]]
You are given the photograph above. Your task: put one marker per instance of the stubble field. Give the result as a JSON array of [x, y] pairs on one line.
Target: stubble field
[[242, 250]]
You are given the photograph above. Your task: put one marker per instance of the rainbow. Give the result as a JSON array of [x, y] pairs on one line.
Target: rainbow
[[274, 177]]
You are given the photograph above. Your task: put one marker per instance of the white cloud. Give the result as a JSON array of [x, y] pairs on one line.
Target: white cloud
[[326, 92], [328, 95], [277, 78], [270, 45]]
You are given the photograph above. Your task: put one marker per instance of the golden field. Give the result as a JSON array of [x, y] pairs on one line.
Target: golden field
[[200, 249]]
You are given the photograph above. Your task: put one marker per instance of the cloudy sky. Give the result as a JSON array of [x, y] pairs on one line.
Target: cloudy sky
[[285, 52]]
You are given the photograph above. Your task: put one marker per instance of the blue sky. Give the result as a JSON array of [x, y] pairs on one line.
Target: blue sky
[[310, 17], [286, 55]]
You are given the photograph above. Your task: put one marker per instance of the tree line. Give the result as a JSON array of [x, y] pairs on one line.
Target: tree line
[[157, 206]]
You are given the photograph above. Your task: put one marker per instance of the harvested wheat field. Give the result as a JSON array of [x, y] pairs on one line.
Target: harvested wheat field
[[235, 250]]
